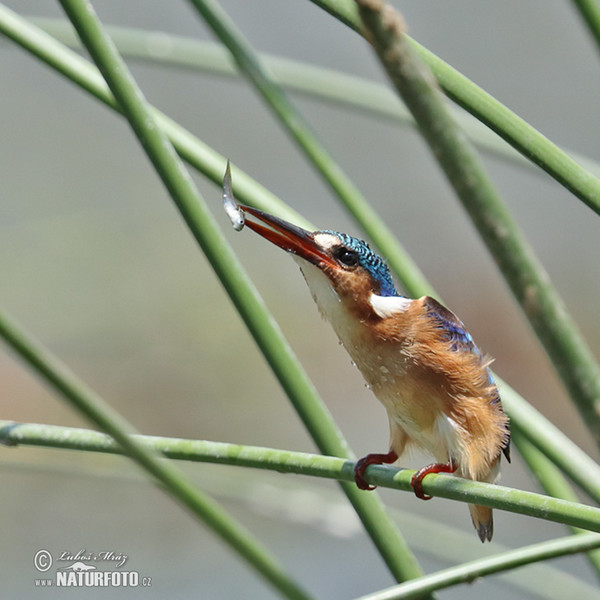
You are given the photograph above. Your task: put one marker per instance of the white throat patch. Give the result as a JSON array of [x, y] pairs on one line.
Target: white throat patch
[[388, 306]]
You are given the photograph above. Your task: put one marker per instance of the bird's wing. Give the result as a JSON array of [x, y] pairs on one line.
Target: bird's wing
[[451, 327], [453, 330]]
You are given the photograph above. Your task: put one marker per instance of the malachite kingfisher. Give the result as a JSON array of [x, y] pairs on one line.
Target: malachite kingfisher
[[414, 354]]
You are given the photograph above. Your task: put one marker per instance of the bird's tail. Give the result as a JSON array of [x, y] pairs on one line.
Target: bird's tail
[[483, 521]]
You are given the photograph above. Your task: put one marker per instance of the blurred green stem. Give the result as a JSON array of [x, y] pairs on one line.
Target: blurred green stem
[[91, 406], [285, 461], [590, 13], [526, 277], [327, 512]]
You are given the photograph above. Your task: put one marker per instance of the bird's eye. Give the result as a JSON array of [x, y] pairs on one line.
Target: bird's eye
[[346, 257]]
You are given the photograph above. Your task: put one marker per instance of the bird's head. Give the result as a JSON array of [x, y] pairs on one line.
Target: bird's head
[[354, 271]]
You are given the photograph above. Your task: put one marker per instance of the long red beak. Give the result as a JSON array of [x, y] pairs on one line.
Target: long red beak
[[290, 237]]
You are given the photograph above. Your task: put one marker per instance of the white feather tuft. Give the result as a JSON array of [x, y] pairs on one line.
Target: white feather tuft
[[388, 306]]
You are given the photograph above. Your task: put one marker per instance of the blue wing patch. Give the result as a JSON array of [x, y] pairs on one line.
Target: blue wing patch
[[451, 327], [460, 339]]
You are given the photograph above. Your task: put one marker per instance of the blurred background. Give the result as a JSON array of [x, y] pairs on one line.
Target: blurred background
[[98, 264]]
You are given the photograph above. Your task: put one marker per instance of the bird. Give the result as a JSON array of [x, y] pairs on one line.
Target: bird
[[415, 355]]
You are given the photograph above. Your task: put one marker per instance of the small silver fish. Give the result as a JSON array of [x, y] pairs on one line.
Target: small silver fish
[[234, 212]]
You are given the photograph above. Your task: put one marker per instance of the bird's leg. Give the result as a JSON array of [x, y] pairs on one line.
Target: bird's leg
[[371, 459], [417, 479]]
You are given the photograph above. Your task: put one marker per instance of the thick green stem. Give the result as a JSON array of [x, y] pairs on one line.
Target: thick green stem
[[526, 277]]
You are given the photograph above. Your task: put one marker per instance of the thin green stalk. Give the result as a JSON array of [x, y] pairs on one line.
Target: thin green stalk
[[469, 572], [552, 481], [292, 377], [590, 13], [517, 132], [285, 461], [547, 473], [175, 483], [535, 426], [275, 98], [313, 81], [530, 284], [555, 445]]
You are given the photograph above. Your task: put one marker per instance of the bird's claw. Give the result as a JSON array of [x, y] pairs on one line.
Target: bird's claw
[[416, 480], [359, 471], [371, 459], [416, 483]]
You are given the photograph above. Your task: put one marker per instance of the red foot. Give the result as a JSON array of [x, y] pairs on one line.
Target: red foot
[[371, 459], [417, 478]]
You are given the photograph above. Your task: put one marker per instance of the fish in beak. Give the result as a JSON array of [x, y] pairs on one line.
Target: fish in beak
[[287, 236]]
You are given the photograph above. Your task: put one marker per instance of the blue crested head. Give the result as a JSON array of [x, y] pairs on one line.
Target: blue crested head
[[369, 260]]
